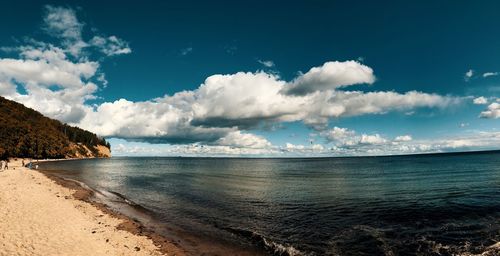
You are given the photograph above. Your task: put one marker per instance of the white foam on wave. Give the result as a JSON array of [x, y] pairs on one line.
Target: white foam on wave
[[279, 249], [492, 250]]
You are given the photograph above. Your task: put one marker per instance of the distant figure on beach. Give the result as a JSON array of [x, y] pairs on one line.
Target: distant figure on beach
[[6, 165], [22, 163], [36, 166], [30, 165], [1, 165]]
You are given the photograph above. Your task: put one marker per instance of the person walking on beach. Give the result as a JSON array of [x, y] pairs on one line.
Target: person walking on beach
[[1, 165], [6, 165]]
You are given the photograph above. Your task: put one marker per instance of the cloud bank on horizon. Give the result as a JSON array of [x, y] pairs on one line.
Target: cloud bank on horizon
[[58, 79]]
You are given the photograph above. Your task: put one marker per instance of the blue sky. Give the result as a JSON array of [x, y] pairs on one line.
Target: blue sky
[[260, 78]]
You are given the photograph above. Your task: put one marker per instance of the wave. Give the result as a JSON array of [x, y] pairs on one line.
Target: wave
[[489, 251], [272, 247], [123, 199]]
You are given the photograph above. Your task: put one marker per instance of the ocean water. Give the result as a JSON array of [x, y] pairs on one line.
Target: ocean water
[[442, 204]]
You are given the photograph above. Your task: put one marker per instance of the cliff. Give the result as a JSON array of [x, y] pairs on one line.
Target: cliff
[[25, 132]]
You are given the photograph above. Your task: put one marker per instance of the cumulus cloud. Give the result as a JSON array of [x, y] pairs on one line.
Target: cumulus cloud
[[244, 140], [224, 104], [47, 67], [403, 138], [337, 133], [343, 137], [372, 139], [124, 148], [330, 76], [480, 100], [54, 85], [246, 100], [59, 80], [376, 144], [493, 111], [313, 149], [407, 145], [472, 141]]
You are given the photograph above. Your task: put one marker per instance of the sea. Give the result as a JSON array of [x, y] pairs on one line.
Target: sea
[[435, 204]]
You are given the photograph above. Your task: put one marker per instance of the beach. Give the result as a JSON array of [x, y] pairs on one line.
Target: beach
[[443, 204], [40, 217]]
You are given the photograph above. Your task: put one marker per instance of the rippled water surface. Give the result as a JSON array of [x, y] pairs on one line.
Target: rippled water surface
[[403, 205]]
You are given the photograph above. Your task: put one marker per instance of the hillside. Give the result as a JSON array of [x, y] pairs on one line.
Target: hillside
[[25, 132]]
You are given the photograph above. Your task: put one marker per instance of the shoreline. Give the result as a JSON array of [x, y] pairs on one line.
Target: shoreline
[[43, 214], [133, 226], [143, 221]]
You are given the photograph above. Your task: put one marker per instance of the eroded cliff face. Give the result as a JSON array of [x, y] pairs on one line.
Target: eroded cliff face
[[78, 150], [103, 151]]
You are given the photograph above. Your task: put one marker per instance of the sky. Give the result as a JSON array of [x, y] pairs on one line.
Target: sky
[[260, 78]]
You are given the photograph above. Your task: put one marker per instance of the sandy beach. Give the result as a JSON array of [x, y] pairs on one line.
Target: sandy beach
[[40, 217]]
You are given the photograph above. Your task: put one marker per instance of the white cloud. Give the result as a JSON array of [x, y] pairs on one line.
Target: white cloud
[[111, 45], [266, 63], [215, 113], [317, 147], [102, 79], [464, 142], [55, 86], [62, 23], [472, 141], [475, 140], [493, 111], [216, 116], [330, 76], [57, 80], [313, 149], [249, 99], [291, 147], [468, 75], [337, 134], [488, 74], [403, 138], [47, 67], [123, 148], [480, 101], [343, 137], [372, 139], [244, 140]]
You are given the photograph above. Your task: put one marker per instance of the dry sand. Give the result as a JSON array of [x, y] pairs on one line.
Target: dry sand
[[40, 217]]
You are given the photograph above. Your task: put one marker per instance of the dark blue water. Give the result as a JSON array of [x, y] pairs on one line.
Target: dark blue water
[[444, 204]]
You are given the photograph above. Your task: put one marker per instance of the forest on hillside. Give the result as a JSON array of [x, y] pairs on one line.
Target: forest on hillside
[[25, 132]]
